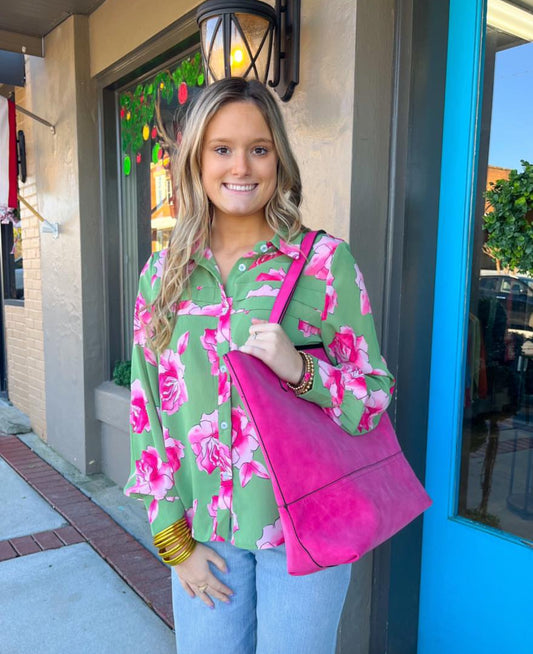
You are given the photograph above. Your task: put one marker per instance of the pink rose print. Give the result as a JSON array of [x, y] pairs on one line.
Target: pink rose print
[[209, 343], [212, 510], [149, 356], [263, 259], [332, 379], [346, 347], [189, 308], [320, 264], [222, 501], [153, 477], [235, 528], [355, 382], [139, 420], [158, 265], [172, 387], [263, 291], [145, 267], [272, 536], [175, 451], [210, 452], [292, 251], [190, 513], [141, 318], [223, 328], [330, 299], [365, 300], [271, 275], [376, 403], [244, 443], [307, 329]]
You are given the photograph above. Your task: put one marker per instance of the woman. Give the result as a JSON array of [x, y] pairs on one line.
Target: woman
[[196, 460]]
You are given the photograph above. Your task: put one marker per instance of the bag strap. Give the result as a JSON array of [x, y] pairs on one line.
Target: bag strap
[[288, 287]]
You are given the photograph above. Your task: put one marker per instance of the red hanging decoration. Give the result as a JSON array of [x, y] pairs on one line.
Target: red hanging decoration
[[183, 93]]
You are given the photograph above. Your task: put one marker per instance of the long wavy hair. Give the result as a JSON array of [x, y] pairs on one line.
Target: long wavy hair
[[193, 208]]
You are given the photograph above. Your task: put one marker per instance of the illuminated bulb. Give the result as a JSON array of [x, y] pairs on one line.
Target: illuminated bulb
[[238, 56]]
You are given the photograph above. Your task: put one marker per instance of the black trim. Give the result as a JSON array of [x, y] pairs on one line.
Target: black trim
[[420, 76]]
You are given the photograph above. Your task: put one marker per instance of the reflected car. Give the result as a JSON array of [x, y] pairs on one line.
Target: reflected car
[[514, 293], [19, 279]]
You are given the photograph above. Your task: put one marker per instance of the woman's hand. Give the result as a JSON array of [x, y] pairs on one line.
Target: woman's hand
[[268, 342], [197, 579]]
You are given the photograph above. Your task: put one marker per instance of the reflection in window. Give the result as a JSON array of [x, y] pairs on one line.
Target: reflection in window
[[13, 271], [496, 482], [153, 104]]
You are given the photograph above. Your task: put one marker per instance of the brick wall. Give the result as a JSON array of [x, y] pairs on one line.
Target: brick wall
[[24, 324]]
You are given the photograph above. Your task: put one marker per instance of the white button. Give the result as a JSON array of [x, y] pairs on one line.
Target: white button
[[223, 425], [264, 247], [242, 267], [223, 369]]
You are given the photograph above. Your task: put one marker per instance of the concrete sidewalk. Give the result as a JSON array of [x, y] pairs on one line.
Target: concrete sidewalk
[[72, 577]]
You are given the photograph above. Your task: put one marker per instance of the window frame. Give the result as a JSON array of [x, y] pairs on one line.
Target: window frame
[[177, 40]]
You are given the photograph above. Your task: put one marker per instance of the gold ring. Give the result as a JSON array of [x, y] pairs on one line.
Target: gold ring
[[203, 588]]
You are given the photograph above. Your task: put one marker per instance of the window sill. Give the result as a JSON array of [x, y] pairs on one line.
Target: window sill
[[113, 405]]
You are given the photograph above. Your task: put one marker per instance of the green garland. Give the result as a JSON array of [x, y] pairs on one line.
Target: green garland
[[509, 222], [137, 108]]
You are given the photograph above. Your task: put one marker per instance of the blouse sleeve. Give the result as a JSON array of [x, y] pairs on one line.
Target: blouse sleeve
[[155, 456], [354, 387]]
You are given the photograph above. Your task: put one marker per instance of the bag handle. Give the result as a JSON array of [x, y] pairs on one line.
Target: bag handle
[[288, 287]]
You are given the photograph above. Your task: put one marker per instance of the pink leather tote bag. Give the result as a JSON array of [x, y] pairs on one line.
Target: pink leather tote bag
[[339, 496]]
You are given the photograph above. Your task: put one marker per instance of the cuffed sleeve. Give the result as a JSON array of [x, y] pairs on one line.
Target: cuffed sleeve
[[354, 387], [155, 456]]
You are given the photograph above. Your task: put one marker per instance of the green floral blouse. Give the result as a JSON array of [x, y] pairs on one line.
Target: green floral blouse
[[194, 451]]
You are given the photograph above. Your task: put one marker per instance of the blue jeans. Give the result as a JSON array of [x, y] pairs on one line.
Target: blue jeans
[[270, 612]]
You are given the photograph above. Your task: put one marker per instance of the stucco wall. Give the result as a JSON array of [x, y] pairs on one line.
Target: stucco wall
[[119, 26], [66, 176], [24, 324]]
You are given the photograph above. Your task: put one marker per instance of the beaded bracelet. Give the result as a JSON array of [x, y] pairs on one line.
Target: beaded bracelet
[[175, 543], [306, 381]]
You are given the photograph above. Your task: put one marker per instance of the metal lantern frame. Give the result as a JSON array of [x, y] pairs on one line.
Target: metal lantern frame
[[281, 38]]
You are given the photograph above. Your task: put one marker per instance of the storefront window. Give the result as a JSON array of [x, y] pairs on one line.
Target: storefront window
[[496, 484], [13, 272], [151, 110]]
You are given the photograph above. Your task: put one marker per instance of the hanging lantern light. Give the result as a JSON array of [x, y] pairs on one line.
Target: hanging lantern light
[[240, 38]]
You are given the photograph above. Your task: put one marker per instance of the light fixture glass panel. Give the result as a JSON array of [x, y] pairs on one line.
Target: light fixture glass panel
[[510, 19], [213, 40], [256, 29]]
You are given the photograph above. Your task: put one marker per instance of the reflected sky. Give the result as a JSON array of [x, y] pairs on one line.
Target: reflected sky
[[511, 137]]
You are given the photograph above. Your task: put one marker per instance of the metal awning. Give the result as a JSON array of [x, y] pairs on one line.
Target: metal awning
[[24, 23]]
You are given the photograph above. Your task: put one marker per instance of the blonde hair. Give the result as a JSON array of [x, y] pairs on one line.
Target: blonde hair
[[193, 208]]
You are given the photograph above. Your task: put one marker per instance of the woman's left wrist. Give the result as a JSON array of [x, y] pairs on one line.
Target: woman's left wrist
[[306, 381], [298, 380]]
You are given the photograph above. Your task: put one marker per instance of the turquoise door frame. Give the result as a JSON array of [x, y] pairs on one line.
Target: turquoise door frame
[[476, 582]]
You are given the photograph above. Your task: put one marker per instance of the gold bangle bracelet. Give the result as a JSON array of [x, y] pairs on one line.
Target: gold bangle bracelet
[[182, 522], [178, 535], [176, 548], [175, 525], [174, 531], [308, 376], [182, 557]]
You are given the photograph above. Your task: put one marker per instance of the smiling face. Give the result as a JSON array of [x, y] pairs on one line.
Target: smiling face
[[239, 162]]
